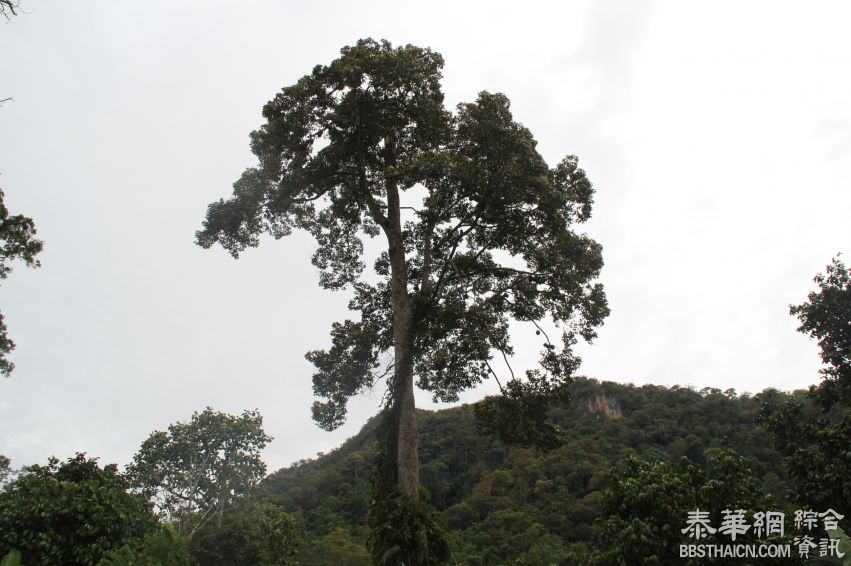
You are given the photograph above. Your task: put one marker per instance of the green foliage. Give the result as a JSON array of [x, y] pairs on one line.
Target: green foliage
[[827, 318], [648, 501], [337, 548], [501, 504], [5, 470], [479, 232], [510, 536], [812, 431], [815, 449], [70, 513], [195, 470], [402, 530], [162, 547], [13, 558], [261, 534], [405, 532], [844, 545], [17, 241], [844, 550], [519, 415], [488, 237]]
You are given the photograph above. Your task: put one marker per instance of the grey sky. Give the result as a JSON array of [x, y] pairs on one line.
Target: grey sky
[[717, 135]]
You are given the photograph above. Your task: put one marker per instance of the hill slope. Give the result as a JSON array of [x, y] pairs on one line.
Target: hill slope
[[504, 504]]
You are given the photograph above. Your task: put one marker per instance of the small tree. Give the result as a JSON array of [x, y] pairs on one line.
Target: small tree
[[195, 470], [477, 227], [71, 513]]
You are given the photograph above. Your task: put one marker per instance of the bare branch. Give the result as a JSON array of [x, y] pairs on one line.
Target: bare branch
[[493, 373], [386, 372], [8, 7], [504, 357], [541, 330]]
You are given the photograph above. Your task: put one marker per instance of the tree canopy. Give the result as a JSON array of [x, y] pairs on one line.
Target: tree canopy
[[478, 230], [163, 547], [259, 533], [648, 501], [71, 513], [337, 148], [195, 470]]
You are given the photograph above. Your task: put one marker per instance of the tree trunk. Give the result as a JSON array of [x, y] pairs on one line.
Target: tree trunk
[[403, 409], [407, 454]]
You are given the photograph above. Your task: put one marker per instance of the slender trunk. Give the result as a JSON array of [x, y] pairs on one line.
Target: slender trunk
[[404, 410]]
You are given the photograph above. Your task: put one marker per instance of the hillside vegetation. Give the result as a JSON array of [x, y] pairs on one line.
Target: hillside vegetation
[[502, 504]]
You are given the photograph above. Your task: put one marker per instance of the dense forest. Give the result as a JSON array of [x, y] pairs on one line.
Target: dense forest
[[629, 456], [511, 505]]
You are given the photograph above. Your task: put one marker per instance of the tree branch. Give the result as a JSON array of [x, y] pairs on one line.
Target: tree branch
[[363, 185], [11, 6], [541, 330], [504, 357], [386, 371], [493, 373], [425, 280]]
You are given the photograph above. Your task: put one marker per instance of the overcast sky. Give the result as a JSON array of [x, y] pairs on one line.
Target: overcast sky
[[717, 134]]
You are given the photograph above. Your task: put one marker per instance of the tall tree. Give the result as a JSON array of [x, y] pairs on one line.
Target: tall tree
[[477, 228]]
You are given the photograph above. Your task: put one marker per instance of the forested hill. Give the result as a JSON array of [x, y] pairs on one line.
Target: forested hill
[[519, 505]]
